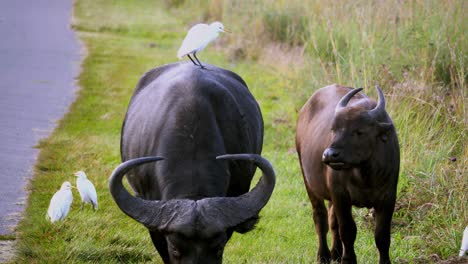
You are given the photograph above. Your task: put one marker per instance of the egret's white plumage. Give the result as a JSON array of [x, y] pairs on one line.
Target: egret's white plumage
[[464, 244], [60, 203], [87, 191], [197, 38]]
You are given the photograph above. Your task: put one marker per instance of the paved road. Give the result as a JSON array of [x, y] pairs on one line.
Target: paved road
[[39, 60]]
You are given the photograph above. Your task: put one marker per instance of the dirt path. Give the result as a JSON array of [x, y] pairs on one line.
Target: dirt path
[[40, 58]]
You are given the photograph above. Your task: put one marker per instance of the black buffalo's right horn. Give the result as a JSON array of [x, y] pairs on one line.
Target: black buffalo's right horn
[[228, 212], [153, 214]]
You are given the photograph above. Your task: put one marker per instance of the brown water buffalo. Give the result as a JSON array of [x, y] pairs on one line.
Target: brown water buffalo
[[180, 122], [349, 155]]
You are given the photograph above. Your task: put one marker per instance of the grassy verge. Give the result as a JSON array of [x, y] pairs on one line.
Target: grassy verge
[[283, 57]]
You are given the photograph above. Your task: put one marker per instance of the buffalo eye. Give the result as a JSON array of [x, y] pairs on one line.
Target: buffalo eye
[[175, 252], [358, 133]]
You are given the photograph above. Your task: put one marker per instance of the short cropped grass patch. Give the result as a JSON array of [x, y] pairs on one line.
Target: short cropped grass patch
[[283, 62]]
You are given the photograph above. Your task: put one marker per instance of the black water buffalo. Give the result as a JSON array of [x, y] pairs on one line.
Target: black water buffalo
[[192, 199], [349, 155]]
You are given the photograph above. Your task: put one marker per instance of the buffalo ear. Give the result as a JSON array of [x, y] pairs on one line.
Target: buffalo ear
[[384, 129], [247, 225]]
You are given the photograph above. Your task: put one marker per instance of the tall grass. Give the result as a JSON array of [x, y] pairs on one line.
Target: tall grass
[[284, 50]]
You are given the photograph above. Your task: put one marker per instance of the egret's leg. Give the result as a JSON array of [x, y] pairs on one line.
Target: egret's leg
[[82, 206], [201, 65], [188, 55]]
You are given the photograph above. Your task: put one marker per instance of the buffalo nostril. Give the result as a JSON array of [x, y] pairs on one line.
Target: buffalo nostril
[[330, 154]]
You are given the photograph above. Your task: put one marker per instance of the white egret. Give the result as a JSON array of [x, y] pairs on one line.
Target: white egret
[[87, 191], [60, 203], [464, 244], [197, 38]]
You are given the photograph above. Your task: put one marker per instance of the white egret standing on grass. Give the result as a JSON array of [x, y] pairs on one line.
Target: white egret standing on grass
[[464, 244], [197, 38], [60, 203], [87, 191]]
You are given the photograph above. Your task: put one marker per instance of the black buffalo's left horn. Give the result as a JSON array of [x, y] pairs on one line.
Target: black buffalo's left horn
[[380, 107], [345, 99]]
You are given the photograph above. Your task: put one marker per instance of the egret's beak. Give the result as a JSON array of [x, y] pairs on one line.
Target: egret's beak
[[76, 174], [227, 31], [73, 187]]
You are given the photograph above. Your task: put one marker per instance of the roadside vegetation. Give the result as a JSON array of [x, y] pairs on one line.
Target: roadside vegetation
[[285, 50]]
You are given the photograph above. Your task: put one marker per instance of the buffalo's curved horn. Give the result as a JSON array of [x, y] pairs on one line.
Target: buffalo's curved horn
[[150, 213], [226, 212], [380, 107], [345, 99]]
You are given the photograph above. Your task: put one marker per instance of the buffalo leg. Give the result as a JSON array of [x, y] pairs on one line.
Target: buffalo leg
[[337, 247], [383, 217], [160, 243], [347, 228], [321, 227]]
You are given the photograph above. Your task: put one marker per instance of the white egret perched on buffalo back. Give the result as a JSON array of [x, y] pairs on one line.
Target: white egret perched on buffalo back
[[87, 191], [197, 38], [60, 203]]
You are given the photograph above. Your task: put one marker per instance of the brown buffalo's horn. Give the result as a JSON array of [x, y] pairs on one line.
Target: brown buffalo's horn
[[380, 107], [345, 99], [226, 212], [150, 213]]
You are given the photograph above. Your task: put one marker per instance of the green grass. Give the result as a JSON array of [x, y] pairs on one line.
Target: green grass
[[415, 51], [6, 237]]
